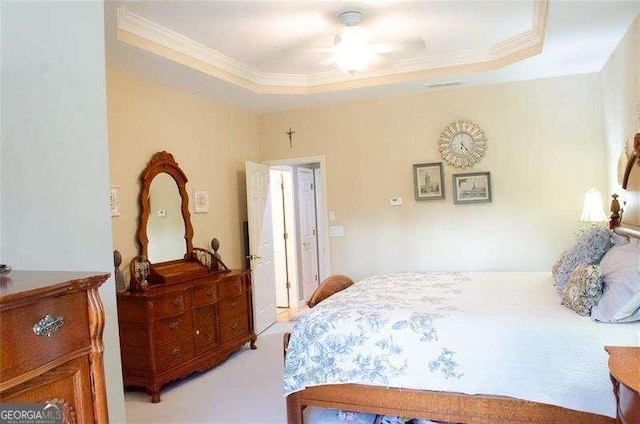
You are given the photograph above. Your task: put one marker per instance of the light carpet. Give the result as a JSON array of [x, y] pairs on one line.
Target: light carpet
[[245, 389]]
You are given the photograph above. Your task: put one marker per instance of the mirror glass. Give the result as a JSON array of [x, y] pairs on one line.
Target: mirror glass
[[165, 226]]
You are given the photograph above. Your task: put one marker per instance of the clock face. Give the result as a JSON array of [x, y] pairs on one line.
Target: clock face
[[462, 144]]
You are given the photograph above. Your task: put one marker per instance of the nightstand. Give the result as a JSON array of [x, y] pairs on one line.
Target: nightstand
[[624, 368]]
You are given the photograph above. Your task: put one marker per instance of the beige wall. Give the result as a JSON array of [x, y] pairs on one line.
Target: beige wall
[[210, 143], [545, 150], [621, 100]]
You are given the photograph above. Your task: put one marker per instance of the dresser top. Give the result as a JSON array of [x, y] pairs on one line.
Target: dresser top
[[624, 365], [19, 285]]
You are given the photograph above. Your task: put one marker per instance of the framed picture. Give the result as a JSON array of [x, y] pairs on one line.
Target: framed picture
[[428, 181], [114, 200], [201, 200], [472, 188]]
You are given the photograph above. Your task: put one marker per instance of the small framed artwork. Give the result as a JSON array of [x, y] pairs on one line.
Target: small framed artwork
[[114, 200], [201, 200], [428, 181], [474, 187]]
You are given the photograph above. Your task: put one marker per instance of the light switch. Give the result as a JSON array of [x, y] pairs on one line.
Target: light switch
[[332, 216], [395, 201], [162, 213], [336, 231]]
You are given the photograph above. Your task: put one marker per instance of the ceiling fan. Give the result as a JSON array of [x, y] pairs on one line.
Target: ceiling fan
[[355, 46]]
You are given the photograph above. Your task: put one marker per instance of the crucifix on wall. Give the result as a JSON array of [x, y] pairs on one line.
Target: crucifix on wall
[[290, 133]]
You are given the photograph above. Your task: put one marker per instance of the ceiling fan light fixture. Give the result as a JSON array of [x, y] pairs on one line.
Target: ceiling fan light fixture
[[354, 61], [353, 51]]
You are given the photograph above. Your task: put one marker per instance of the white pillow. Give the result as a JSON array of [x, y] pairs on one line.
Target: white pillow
[[620, 269]]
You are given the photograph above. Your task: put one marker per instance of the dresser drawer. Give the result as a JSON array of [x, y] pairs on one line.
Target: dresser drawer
[[134, 333], [234, 306], [172, 329], [206, 328], [233, 327], [23, 350], [68, 385], [173, 353], [231, 287], [205, 293], [173, 304]]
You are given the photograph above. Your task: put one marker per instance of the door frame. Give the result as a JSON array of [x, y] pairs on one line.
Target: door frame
[[324, 264], [290, 253]]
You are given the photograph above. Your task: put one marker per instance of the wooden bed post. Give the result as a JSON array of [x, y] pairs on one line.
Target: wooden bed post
[[614, 220], [294, 409]]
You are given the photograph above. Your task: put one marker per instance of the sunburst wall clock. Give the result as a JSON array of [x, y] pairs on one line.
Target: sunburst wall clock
[[462, 144]]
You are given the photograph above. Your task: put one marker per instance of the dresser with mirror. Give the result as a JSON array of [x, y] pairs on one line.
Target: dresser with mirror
[[185, 311]]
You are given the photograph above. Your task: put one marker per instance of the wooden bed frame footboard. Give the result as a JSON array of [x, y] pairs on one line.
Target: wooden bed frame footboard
[[438, 406]]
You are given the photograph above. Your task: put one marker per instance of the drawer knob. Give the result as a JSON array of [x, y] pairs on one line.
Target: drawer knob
[[234, 305], [197, 332], [173, 326], [209, 292], [175, 352], [177, 302], [48, 325], [234, 327]]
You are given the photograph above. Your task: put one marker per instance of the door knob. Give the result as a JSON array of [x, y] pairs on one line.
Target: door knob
[[252, 257]]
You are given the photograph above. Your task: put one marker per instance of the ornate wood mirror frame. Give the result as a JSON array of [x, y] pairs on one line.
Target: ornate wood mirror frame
[[195, 262], [163, 162]]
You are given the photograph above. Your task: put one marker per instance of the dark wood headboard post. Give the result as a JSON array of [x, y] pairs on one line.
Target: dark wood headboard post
[[614, 220]]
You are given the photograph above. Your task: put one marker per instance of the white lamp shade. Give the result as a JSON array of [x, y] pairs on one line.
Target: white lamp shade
[[353, 50], [592, 210]]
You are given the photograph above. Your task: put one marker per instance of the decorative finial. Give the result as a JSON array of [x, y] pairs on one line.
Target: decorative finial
[[215, 245], [614, 220], [121, 286]]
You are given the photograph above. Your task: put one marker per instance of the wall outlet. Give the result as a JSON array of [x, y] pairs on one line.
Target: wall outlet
[[332, 216], [336, 231], [395, 201]]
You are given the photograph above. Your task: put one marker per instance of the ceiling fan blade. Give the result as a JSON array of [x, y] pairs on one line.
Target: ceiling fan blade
[[327, 50], [408, 45]]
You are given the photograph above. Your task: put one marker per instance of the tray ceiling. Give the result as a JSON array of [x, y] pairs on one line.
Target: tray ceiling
[[268, 48]]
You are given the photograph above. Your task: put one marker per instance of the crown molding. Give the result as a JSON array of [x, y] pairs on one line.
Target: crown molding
[[150, 36]]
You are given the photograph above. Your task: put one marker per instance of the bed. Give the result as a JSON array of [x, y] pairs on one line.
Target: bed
[[452, 349]]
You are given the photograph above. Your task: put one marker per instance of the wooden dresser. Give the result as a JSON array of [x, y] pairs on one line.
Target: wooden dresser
[[190, 322], [624, 367], [51, 326]]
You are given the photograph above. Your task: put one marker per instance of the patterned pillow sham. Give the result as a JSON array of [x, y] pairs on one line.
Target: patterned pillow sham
[[592, 243], [584, 289], [556, 265]]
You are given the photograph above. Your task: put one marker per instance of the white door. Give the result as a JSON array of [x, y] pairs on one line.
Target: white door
[[322, 225], [279, 239], [261, 246], [308, 233]]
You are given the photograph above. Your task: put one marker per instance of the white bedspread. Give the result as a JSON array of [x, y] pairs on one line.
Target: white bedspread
[[477, 333]]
